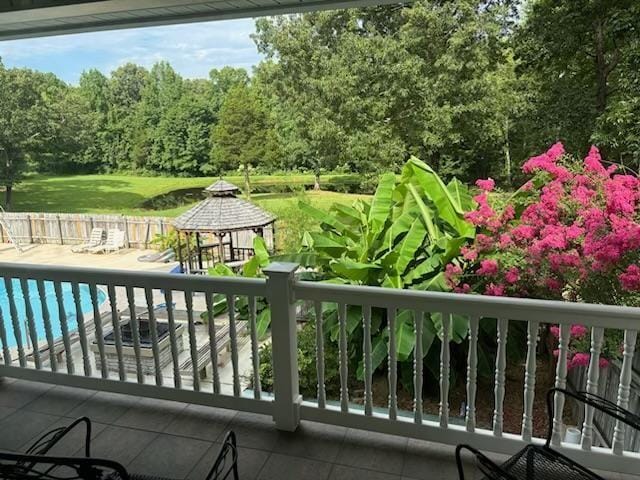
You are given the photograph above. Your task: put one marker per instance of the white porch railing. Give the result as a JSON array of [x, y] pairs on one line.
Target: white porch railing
[[155, 367]]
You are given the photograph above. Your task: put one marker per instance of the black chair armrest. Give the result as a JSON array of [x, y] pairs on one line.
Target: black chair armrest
[[226, 462], [488, 468], [595, 401], [49, 439]]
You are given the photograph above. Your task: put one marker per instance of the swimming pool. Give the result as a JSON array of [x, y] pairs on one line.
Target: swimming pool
[[36, 306]]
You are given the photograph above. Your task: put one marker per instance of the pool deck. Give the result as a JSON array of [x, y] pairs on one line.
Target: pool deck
[[126, 259]]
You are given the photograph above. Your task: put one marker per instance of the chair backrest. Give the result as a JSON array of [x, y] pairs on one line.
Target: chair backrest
[[118, 239], [226, 463], [115, 238], [595, 401], [96, 235]]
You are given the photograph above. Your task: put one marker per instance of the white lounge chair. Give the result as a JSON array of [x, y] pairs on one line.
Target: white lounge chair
[[114, 242], [95, 239]]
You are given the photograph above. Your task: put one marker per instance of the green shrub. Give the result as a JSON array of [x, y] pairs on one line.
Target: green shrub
[[306, 364]]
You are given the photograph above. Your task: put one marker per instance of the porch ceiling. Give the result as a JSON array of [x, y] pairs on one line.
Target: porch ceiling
[[38, 18]]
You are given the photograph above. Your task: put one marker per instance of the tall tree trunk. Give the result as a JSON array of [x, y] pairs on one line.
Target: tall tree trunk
[[247, 184], [316, 180], [507, 152], [8, 191], [601, 68]]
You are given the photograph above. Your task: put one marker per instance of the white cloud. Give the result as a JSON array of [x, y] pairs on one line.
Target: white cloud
[[193, 49]]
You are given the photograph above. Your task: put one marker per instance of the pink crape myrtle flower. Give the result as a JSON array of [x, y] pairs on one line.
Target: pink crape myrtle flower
[[488, 267], [487, 185], [630, 278], [579, 331]]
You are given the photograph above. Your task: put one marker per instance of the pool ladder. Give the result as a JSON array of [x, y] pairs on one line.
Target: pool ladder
[[7, 228]]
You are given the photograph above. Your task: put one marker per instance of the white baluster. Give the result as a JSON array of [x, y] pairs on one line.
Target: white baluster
[[15, 321], [193, 345], [368, 367], [46, 319], [173, 339], [597, 335], [393, 364], [117, 333], [153, 331], [135, 332], [213, 345], [82, 332], [561, 382], [31, 323], [472, 374], [418, 320], [344, 368], [322, 393], [64, 327], [444, 370], [624, 388], [529, 380], [255, 352], [501, 366], [233, 338], [97, 321], [6, 353]]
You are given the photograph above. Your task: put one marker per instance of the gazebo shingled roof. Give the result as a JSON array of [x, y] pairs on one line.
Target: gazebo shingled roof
[[223, 212]]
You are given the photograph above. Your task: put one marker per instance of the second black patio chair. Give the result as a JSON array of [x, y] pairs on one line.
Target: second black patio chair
[[37, 464], [542, 462]]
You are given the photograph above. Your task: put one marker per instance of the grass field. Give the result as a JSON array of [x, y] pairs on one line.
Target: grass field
[[123, 194]]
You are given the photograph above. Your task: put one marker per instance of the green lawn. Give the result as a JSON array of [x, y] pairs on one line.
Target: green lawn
[[123, 194]]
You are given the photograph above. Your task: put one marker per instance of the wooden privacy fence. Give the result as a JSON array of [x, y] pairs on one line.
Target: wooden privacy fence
[[73, 228]]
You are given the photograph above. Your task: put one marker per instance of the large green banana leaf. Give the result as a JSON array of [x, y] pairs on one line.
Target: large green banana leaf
[[381, 203]]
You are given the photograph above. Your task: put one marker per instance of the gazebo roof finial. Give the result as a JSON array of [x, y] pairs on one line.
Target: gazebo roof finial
[[221, 188]]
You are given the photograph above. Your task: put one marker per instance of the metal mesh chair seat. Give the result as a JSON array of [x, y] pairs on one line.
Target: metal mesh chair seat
[[537, 462], [542, 462]]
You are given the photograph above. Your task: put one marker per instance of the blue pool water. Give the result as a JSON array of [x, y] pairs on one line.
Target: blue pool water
[[36, 306]]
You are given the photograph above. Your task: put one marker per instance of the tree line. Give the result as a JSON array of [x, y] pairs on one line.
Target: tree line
[[472, 87]]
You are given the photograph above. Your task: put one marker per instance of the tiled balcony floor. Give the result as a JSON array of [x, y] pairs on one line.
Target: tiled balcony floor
[[178, 440]]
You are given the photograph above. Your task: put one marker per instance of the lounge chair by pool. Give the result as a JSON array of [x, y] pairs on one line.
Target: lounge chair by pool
[[114, 242], [95, 239]]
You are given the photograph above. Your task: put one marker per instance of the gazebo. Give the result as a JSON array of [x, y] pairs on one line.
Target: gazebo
[[221, 229]]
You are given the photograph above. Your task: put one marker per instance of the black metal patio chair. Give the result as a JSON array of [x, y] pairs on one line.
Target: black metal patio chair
[[542, 462], [37, 464]]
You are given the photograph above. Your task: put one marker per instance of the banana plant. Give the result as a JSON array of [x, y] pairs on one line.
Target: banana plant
[[412, 228]]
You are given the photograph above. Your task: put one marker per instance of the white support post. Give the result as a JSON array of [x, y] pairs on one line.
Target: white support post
[[287, 398]]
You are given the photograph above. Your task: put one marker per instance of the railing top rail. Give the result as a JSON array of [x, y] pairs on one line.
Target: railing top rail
[[477, 305], [141, 279]]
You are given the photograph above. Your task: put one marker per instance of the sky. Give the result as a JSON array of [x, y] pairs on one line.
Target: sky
[[192, 49]]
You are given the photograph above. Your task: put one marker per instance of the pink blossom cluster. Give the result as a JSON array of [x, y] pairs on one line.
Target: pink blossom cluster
[[575, 358], [582, 219]]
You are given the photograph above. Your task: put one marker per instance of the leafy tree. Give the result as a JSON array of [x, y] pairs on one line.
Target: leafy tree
[[243, 136], [41, 124], [183, 138], [224, 79], [577, 58]]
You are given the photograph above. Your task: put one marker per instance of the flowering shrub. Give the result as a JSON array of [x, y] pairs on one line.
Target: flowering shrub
[[579, 345], [572, 232]]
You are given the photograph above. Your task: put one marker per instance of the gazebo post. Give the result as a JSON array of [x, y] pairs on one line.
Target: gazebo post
[[231, 254], [221, 247], [199, 250], [179, 252], [188, 234], [273, 237]]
